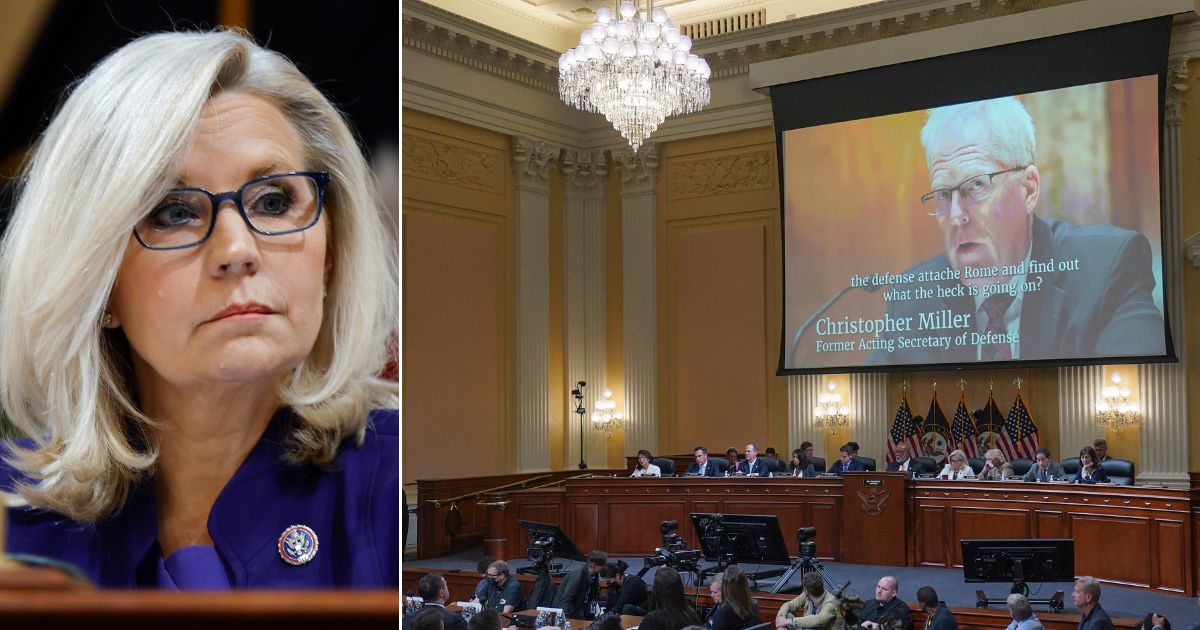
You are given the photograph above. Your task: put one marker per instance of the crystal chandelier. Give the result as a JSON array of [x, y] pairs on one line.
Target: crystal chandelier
[[606, 418], [829, 412], [1116, 410], [635, 72]]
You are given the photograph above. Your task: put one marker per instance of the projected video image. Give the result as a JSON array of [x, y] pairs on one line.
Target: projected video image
[[1012, 229]]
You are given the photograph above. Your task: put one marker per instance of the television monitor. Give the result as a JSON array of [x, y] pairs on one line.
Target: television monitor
[[748, 538], [1019, 560], [990, 208]]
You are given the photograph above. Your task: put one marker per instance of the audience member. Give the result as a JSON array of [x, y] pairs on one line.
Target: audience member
[[1086, 598], [486, 619], [579, 589], [432, 588], [995, 466], [886, 609], [846, 461], [627, 594], [1101, 446], [1154, 621], [607, 622], [905, 462], [738, 609], [752, 466], [505, 594], [800, 465], [1045, 468], [669, 607], [1090, 470], [816, 607], [939, 617], [1022, 614], [483, 589], [702, 466], [956, 467], [644, 468], [714, 591]]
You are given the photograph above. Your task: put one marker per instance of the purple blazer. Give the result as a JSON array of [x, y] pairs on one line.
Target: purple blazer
[[353, 508]]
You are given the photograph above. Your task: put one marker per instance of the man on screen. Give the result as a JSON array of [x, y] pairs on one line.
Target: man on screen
[[1094, 299]]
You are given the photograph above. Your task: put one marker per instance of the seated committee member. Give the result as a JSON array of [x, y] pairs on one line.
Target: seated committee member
[[627, 594], [956, 467], [800, 466], [939, 616], [1101, 446], [731, 454], [995, 466], [752, 466], [1086, 597], [985, 186], [1090, 470], [197, 378], [644, 468], [669, 606], [1044, 468], [737, 609], [846, 461], [580, 588], [432, 588], [807, 447], [886, 609], [1022, 614], [505, 595], [905, 462], [814, 608], [702, 466]]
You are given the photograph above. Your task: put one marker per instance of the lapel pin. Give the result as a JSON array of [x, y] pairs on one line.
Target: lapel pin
[[298, 545]]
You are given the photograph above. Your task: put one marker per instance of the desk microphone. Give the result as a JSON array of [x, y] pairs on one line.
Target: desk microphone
[[821, 311]]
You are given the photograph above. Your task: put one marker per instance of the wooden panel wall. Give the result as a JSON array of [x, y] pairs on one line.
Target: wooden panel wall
[[458, 286]]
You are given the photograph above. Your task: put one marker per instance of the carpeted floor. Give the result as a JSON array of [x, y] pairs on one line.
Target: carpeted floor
[[949, 584]]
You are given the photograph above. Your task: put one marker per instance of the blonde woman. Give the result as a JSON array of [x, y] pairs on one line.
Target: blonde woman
[[996, 466], [195, 368], [956, 467]]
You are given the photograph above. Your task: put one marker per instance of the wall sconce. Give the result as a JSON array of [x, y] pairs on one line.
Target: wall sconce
[[1116, 411], [829, 410], [606, 418]]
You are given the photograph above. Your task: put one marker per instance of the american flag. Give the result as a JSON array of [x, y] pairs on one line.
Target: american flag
[[1022, 429], [904, 431], [989, 426], [934, 426], [963, 430]]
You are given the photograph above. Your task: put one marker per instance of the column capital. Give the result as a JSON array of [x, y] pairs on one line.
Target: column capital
[[585, 170], [1177, 87], [639, 170], [534, 160]]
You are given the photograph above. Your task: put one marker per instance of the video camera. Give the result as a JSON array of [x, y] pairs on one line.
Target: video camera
[[540, 550], [804, 537], [672, 552]]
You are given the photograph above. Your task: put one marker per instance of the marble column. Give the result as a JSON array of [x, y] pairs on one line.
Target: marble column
[[583, 251], [534, 161], [870, 418], [639, 228]]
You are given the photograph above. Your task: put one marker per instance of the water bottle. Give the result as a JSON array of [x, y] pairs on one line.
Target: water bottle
[[540, 622]]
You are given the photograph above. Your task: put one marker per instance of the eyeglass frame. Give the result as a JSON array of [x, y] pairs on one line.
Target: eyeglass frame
[[958, 189], [320, 178]]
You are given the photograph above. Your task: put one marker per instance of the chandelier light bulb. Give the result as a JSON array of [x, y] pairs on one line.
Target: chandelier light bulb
[[628, 10], [658, 16], [603, 15]]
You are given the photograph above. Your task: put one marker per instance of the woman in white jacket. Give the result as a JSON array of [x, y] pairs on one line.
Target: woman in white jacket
[[644, 468], [956, 468]]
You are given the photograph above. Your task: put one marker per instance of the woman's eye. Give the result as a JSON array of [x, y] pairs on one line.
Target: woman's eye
[[274, 202], [173, 214]]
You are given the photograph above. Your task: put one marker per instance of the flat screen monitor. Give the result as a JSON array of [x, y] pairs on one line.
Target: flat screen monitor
[[1018, 559], [747, 538], [997, 207]]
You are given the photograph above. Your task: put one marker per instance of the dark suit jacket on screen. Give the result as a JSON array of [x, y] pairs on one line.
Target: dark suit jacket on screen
[[1103, 309]]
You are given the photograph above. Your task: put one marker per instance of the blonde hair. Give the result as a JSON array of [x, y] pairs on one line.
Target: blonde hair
[[995, 454], [107, 155]]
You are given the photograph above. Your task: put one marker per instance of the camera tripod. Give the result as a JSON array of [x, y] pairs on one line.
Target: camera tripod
[[805, 564]]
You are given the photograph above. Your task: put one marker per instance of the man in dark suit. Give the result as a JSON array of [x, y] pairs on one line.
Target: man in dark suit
[[1044, 468], [432, 588], [846, 461], [1018, 286], [702, 466], [905, 462], [940, 617], [1101, 446], [579, 589], [882, 612], [752, 466], [1086, 598]]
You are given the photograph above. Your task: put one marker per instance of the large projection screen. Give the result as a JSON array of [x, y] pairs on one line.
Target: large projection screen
[[993, 208]]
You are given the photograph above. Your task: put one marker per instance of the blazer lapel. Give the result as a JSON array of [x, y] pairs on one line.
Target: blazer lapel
[[1041, 309]]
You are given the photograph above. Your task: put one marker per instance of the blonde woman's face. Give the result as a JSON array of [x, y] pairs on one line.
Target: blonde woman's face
[[239, 307]]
